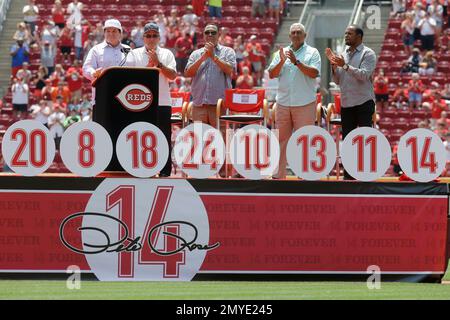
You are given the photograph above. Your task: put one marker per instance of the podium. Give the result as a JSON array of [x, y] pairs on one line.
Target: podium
[[124, 95]]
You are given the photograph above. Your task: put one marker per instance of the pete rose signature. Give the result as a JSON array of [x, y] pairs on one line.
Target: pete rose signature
[[134, 244]]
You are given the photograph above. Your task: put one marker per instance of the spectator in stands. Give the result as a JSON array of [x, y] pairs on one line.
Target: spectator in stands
[[137, 34], [99, 33], [245, 80], [400, 94], [153, 56], [198, 7], [419, 13], [109, 53], [183, 48], [55, 123], [256, 56], [441, 129], [224, 38], [88, 45], [61, 91], [73, 117], [81, 32], [173, 20], [58, 14], [20, 54], [173, 33], [66, 42], [127, 40], [239, 49], [86, 113], [185, 85], [258, 8], [25, 73], [381, 90], [74, 10], [22, 33], [438, 105], [215, 8], [437, 13], [161, 20], [407, 27], [30, 15], [398, 6], [49, 33], [297, 67], [74, 78], [20, 94], [415, 90], [57, 75], [428, 64], [209, 67], [190, 23], [39, 81], [46, 92], [414, 61], [353, 73], [427, 28], [48, 57], [428, 93], [40, 112], [444, 117], [446, 92], [274, 9]]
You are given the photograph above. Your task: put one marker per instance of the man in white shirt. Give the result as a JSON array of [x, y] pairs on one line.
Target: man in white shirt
[[40, 112], [55, 124], [109, 53], [20, 93], [427, 28], [30, 15], [153, 56]]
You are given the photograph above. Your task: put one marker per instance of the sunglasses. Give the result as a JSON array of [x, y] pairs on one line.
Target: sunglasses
[[296, 32], [151, 36], [210, 33]]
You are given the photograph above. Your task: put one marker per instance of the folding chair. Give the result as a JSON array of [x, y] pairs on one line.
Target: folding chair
[[180, 101], [241, 106]]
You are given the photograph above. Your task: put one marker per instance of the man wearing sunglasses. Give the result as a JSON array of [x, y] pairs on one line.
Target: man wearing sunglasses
[[211, 68], [297, 68], [153, 56]]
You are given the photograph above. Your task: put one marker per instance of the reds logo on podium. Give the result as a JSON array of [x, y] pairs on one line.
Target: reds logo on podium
[[135, 97]]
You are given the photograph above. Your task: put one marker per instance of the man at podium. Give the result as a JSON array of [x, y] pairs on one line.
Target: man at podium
[[111, 52], [153, 56]]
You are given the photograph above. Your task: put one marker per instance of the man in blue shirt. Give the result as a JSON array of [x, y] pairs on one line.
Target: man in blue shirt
[[20, 54], [297, 67]]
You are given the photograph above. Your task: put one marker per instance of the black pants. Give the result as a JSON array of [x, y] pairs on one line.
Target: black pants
[[357, 116], [163, 119], [354, 117]]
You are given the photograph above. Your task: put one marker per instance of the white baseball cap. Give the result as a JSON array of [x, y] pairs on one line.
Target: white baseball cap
[[112, 23]]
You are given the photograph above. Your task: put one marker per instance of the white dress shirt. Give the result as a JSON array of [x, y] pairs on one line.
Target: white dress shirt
[[138, 58], [103, 56]]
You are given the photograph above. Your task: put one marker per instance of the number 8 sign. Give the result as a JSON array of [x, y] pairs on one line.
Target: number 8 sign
[[28, 148], [86, 148]]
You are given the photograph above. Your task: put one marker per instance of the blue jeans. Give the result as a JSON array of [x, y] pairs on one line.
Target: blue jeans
[[215, 11]]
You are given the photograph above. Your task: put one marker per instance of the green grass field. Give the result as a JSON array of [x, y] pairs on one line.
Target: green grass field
[[220, 290], [223, 290]]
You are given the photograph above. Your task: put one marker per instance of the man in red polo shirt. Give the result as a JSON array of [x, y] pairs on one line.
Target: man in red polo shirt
[[74, 78]]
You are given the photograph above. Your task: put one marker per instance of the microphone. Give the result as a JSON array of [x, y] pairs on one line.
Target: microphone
[[125, 51]]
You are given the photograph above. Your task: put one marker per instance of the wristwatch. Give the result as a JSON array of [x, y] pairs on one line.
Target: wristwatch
[[345, 67]]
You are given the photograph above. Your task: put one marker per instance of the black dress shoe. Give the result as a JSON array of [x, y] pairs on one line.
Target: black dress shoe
[[348, 177]]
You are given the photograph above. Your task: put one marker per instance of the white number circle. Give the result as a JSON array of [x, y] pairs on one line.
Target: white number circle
[[421, 155], [366, 154], [311, 152], [199, 150], [86, 148], [142, 149], [28, 148], [254, 152]]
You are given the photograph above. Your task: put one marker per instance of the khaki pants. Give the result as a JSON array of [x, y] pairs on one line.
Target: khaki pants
[[288, 120], [205, 114]]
